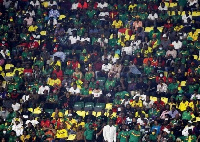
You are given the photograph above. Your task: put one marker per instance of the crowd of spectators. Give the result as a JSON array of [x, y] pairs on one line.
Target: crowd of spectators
[[70, 67]]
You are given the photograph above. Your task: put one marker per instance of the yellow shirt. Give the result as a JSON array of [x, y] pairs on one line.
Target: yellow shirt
[[62, 133], [8, 66], [60, 114], [21, 70], [194, 35], [138, 115], [81, 124], [53, 82], [69, 123], [183, 105], [134, 103], [32, 28], [58, 63], [130, 8], [118, 24], [23, 138]]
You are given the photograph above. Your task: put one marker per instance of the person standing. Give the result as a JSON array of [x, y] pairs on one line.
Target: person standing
[[109, 132]]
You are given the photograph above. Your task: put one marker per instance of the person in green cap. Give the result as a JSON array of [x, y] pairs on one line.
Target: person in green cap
[[153, 136], [134, 135], [123, 135]]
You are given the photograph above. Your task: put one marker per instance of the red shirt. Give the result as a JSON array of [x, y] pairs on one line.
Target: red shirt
[[56, 123], [120, 119], [28, 71], [59, 74], [159, 78], [45, 123], [113, 14], [75, 64], [84, 6], [160, 104], [33, 45]]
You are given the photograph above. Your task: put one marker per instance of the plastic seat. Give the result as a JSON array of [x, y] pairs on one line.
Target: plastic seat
[[43, 33], [89, 106], [50, 111], [99, 106], [195, 13], [166, 4], [153, 98], [183, 83], [78, 105], [81, 113], [148, 29], [173, 4], [165, 100], [93, 113], [101, 81], [108, 106]]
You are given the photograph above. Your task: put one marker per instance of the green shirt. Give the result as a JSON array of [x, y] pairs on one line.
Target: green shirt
[[134, 136], [10, 116], [147, 70], [143, 16], [109, 83], [84, 91], [91, 13], [186, 115], [160, 53], [153, 137], [153, 112], [121, 94], [172, 87], [122, 136], [112, 42], [53, 98], [89, 133], [191, 138], [176, 18], [12, 138]]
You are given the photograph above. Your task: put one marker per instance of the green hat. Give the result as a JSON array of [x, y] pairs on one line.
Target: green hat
[[84, 51], [180, 91]]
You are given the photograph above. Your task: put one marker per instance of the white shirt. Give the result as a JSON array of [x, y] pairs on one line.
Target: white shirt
[[74, 39], [25, 98], [42, 88], [162, 88], [177, 45], [33, 122], [128, 50], [85, 39], [51, 4], [37, 3], [148, 104], [100, 5], [109, 133], [96, 94], [185, 130], [106, 67], [16, 106], [7, 3], [54, 22], [197, 96], [74, 91], [32, 13], [74, 6], [153, 17], [103, 14], [18, 129], [162, 8], [184, 18], [6, 53], [192, 2], [129, 120], [60, 54]]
